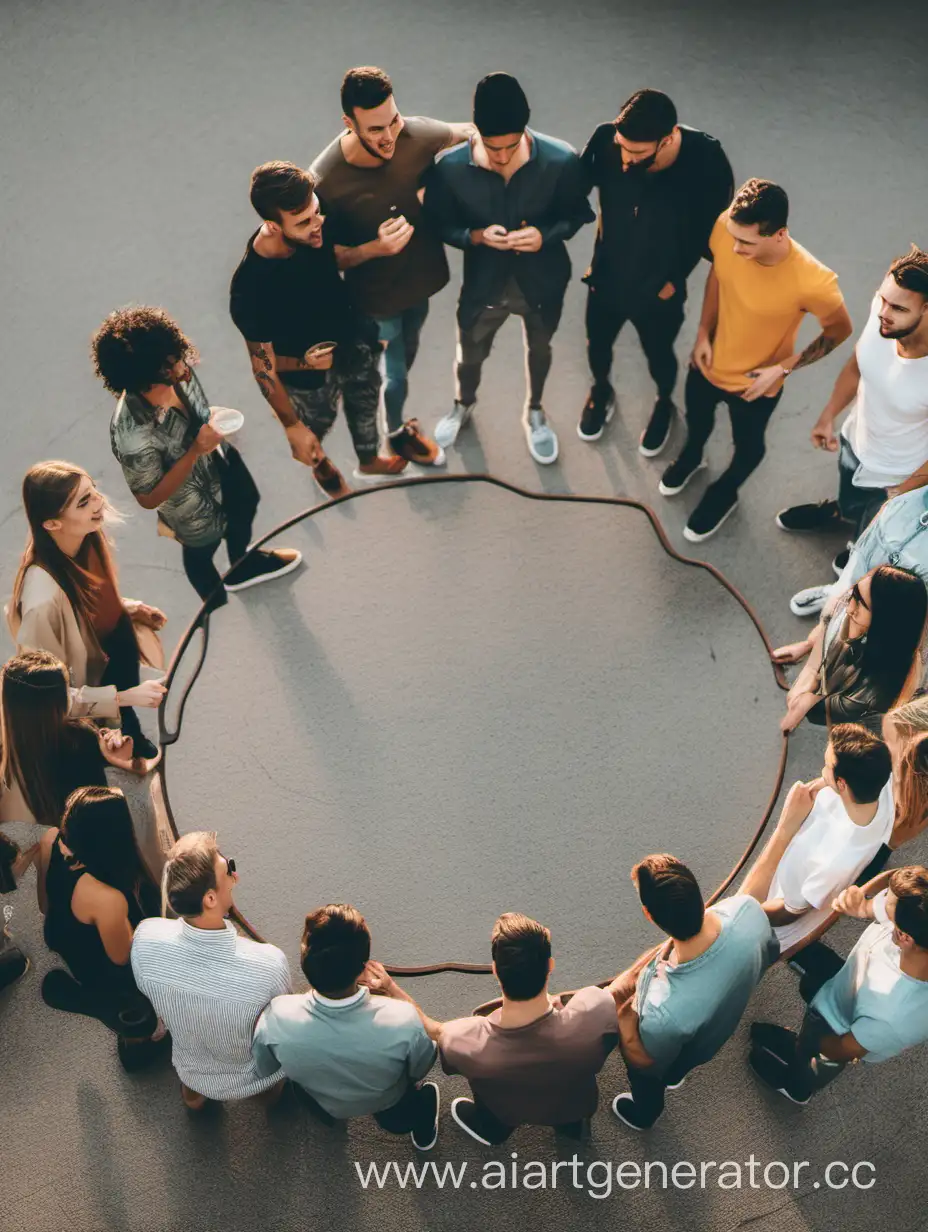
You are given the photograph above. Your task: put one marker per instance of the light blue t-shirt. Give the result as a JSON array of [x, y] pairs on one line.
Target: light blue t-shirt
[[689, 1010], [885, 1010]]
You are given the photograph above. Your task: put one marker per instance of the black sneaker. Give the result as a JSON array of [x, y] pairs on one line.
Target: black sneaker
[[143, 1053], [597, 411], [424, 1137], [657, 433], [629, 1113], [679, 473], [839, 564], [774, 1073], [712, 511], [262, 567], [821, 516], [464, 1113], [773, 1038]]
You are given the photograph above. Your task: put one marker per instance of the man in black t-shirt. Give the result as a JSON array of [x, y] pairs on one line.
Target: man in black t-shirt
[[661, 187], [308, 346]]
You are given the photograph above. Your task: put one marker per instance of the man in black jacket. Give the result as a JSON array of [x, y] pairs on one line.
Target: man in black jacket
[[510, 198], [661, 187]]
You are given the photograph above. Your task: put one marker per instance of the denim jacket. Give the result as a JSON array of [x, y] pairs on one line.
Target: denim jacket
[[898, 536]]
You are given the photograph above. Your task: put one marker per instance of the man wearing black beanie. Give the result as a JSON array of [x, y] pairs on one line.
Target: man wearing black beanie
[[510, 198]]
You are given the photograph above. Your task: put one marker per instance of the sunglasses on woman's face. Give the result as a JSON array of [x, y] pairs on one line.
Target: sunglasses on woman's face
[[230, 864], [858, 597]]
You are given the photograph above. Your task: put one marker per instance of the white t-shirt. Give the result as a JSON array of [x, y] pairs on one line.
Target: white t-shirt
[[888, 424], [824, 858]]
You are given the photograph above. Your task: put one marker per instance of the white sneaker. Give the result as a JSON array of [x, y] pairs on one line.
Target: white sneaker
[[448, 427], [809, 602], [542, 439]]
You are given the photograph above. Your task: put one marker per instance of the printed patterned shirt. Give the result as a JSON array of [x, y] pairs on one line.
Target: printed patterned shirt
[[147, 442]]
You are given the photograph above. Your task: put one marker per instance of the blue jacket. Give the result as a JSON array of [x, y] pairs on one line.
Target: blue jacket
[[549, 192]]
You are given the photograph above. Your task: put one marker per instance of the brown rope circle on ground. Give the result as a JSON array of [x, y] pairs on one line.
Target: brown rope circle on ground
[[201, 621]]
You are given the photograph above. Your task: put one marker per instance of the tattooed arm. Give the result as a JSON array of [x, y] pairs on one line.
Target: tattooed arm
[[766, 382], [835, 329], [304, 444]]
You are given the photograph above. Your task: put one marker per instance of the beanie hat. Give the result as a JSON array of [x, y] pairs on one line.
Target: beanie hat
[[500, 106]]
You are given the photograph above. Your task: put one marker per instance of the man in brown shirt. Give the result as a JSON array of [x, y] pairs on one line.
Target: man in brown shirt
[[369, 183], [531, 1061]]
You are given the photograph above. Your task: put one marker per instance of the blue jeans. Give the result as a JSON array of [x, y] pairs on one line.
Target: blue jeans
[[401, 337], [858, 505]]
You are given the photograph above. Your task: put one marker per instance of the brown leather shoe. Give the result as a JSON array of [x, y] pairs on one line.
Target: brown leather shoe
[[330, 478], [411, 443], [381, 468]]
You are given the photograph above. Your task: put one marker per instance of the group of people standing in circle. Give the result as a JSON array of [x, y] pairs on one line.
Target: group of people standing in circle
[[331, 296]]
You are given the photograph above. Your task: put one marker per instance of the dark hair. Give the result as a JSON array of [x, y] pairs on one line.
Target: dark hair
[[9, 853], [279, 187], [671, 895], [500, 106], [35, 731], [648, 115], [135, 348], [521, 949], [898, 608], [365, 87], [862, 760], [911, 271], [761, 202], [48, 487], [335, 946], [97, 827], [910, 886]]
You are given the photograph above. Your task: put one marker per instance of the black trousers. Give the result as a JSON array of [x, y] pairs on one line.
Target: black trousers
[[748, 427], [657, 322], [240, 504], [804, 1069], [414, 1111], [648, 1090], [122, 670]]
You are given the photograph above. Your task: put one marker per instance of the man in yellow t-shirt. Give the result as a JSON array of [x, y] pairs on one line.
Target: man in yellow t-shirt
[[761, 285]]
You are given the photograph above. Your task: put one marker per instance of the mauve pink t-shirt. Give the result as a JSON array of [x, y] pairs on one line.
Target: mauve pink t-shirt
[[540, 1074]]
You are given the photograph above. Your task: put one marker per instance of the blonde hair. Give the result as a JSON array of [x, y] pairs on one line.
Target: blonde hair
[[911, 791], [911, 718], [189, 873]]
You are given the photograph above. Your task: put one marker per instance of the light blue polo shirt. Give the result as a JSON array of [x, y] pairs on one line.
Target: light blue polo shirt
[[354, 1057]]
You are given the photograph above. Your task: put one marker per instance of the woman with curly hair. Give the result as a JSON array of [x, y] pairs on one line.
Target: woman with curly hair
[[173, 458], [66, 601]]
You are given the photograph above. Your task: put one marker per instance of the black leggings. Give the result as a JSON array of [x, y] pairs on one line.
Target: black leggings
[[122, 670]]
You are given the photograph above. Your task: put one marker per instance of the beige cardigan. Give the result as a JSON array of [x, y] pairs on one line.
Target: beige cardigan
[[49, 623]]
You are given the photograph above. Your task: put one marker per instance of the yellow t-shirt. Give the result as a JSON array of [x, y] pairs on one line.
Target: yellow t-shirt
[[761, 307]]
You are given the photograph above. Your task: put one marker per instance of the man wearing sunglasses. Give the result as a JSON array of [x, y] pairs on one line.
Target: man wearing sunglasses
[[206, 981], [661, 187], [509, 199]]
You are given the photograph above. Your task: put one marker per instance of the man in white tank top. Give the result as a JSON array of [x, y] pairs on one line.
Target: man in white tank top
[[882, 446]]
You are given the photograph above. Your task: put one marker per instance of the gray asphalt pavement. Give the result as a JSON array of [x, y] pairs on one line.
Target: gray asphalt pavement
[[464, 703]]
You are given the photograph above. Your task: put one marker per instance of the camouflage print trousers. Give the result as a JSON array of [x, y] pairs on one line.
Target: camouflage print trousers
[[359, 391]]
